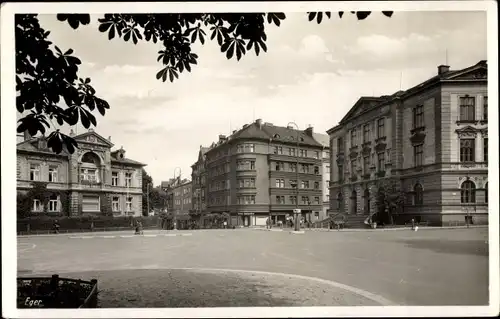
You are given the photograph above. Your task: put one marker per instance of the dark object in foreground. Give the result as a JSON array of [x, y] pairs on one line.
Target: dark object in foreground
[[55, 292]]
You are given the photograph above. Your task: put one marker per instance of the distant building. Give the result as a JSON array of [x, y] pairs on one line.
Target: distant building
[[94, 178], [431, 140], [179, 202], [324, 140], [252, 174], [199, 181]]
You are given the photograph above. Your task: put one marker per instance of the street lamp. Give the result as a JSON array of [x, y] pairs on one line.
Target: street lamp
[[182, 197], [296, 211]]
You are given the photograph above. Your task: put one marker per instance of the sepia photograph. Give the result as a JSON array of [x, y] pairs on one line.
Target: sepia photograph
[[249, 159]]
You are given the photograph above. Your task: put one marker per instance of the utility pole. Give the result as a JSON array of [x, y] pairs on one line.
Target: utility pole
[[296, 211], [147, 197]]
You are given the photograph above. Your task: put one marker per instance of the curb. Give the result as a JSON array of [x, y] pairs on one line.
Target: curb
[[130, 236], [396, 229]]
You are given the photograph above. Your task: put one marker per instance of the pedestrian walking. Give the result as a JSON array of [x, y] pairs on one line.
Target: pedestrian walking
[[412, 224], [225, 224], [55, 227]]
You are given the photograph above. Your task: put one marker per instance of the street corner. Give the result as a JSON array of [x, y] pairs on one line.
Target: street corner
[[193, 287]]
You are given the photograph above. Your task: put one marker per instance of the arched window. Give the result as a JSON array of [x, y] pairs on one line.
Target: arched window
[[340, 201], [90, 158], [486, 193], [468, 192], [418, 194]]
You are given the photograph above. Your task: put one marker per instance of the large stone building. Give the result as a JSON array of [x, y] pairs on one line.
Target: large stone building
[[430, 140], [94, 178], [252, 174]]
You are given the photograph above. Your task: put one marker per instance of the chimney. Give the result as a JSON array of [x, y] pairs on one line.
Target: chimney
[[27, 135], [443, 69], [91, 130], [234, 132], [309, 131], [71, 133], [259, 123], [109, 138], [290, 127], [222, 138]]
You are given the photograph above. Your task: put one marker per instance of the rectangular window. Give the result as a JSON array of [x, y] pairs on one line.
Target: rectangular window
[[381, 161], [53, 205], [467, 150], [305, 200], [328, 169], [240, 148], [418, 116], [246, 200], [302, 153], [381, 128], [115, 204], [467, 108], [341, 172], [353, 167], [316, 154], [304, 168], [418, 155], [88, 175], [366, 164], [354, 142], [485, 150], [366, 133], [114, 179], [328, 197], [280, 166], [91, 203], [293, 167], [53, 174], [128, 179], [485, 108], [316, 170], [316, 200], [252, 165], [250, 148], [280, 183], [278, 150], [34, 172], [304, 184], [280, 199], [245, 165], [316, 185], [340, 145], [128, 204], [327, 184], [293, 200], [291, 151], [37, 205]]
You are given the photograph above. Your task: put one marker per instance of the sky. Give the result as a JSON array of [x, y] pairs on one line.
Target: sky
[[311, 74]]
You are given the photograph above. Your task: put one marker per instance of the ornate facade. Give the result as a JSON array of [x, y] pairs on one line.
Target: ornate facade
[[430, 140], [95, 179]]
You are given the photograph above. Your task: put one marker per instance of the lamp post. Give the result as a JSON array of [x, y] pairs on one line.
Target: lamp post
[[296, 211], [182, 197]]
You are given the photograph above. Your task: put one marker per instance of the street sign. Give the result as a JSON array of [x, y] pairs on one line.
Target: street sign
[[296, 211]]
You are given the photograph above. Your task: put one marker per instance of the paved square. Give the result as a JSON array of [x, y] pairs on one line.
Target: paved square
[[428, 267]]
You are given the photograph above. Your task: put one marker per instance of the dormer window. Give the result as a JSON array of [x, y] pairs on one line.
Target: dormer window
[[276, 136]]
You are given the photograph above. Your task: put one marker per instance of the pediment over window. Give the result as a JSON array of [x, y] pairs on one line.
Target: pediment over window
[[467, 131]]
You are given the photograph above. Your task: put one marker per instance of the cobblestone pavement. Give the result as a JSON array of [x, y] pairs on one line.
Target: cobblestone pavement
[[446, 267]]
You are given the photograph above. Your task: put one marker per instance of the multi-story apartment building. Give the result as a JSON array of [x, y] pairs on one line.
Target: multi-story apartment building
[[252, 174], [199, 179], [95, 178], [182, 197], [431, 139], [324, 140]]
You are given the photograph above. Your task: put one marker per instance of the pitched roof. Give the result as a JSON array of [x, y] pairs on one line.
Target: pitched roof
[[367, 102], [323, 139], [267, 131]]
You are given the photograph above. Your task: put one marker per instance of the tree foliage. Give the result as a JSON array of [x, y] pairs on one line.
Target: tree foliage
[[39, 191], [47, 82], [390, 200]]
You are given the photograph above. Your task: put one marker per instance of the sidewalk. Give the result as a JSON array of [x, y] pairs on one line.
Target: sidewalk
[[373, 230]]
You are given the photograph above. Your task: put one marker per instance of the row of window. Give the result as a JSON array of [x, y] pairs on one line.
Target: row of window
[[292, 200], [245, 165], [280, 183], [292, 167], [467, 106], [53, 204], [116, 204], [468, 149], [366, 131], [219, 170], [35, 173], [278, 150], [184, 201]]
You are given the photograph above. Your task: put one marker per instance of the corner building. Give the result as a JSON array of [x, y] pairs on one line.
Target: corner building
[[96, 179], [252, 174], [431, 140]]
